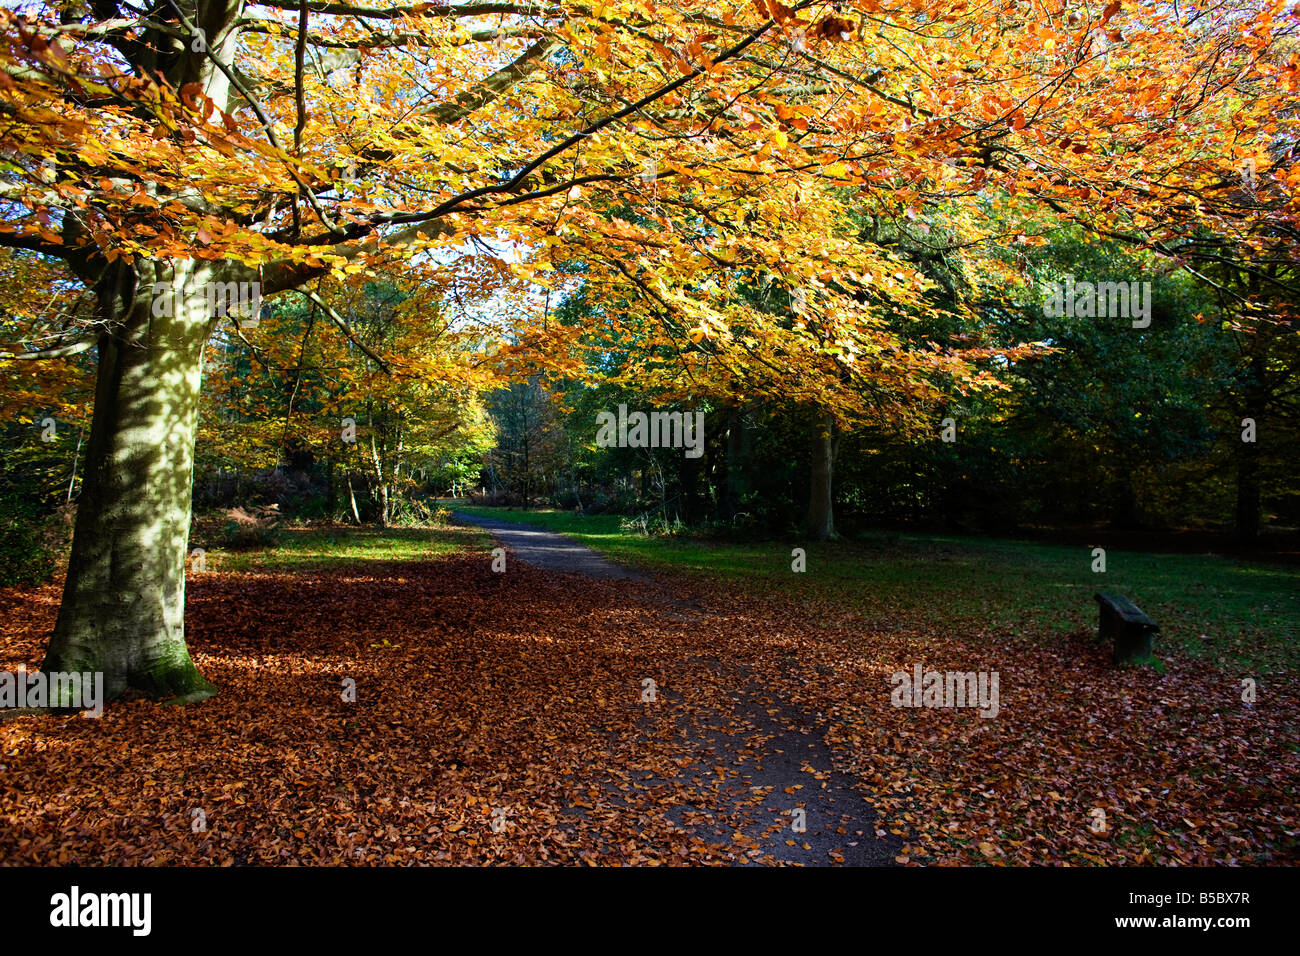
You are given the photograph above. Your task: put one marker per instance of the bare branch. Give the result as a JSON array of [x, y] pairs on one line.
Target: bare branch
[[344, 327], [60, 351], [450, 11]]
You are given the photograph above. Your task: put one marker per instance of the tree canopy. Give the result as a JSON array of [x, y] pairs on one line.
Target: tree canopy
[[808, 204]]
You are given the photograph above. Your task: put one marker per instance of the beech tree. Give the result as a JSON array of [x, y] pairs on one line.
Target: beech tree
[[159, 150]]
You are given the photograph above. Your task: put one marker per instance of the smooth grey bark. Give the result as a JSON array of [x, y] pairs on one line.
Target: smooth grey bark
[[123, 609], [123, 601], [352, 500]]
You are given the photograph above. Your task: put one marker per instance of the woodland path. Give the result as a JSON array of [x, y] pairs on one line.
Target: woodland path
[[761, 759], [548, 550]]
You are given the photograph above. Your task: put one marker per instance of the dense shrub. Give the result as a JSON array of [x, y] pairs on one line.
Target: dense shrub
[[33, 540]]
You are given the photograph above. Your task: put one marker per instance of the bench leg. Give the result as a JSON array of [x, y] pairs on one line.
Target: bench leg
[[1133, 647]]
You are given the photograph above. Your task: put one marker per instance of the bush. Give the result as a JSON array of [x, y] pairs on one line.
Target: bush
[[251, 527], [315, 508], [33, 543], [407, 512]]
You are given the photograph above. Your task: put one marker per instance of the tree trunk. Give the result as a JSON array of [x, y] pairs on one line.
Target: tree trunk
[[381, 480], [739, 447], [123, 610], [820, 525], [687, 480], [331, 491], [352, 500], [1248, 491], [76, 454], [1248, 477]]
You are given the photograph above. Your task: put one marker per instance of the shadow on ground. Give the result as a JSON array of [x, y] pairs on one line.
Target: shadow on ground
[[498, 718]]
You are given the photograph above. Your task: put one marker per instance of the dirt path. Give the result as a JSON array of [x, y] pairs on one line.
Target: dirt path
[[746, 756], [548, 550]]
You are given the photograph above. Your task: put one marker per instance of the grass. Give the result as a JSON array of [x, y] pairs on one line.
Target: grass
[[305, 548], [1239, 612]]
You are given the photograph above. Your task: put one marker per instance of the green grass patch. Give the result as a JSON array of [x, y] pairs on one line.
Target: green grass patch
[[303, 548], [1241, 613]]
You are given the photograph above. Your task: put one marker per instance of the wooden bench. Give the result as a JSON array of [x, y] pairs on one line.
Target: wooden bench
[[1125, 623]]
